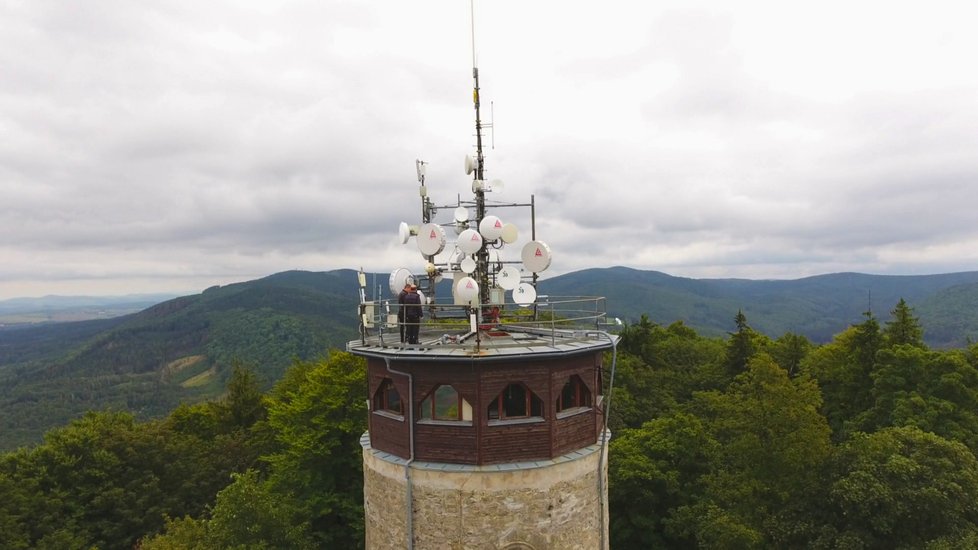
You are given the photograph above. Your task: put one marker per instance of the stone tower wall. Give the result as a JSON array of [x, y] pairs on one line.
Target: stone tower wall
[[527, 506]]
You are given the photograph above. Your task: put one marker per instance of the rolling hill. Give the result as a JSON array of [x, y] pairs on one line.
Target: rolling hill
[[178, 350], [183, 349], [817, 307]]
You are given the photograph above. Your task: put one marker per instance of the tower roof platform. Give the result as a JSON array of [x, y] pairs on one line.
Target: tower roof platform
[[554, 327]]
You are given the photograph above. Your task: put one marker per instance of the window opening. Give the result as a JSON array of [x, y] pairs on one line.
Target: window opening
[[445, 403], [574, 394], [387, 398], [515, 401]]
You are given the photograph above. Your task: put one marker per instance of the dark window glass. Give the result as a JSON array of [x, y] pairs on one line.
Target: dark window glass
[[387, 398], [515, 401], [573, 394]]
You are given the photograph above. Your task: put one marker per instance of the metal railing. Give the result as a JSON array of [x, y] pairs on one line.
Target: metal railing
[[446, 323]]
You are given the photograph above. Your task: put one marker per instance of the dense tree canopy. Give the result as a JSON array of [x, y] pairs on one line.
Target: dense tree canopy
[[867, 441]]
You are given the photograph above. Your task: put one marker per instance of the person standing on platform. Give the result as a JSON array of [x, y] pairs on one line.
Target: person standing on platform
[[412, 314], [400, 308]]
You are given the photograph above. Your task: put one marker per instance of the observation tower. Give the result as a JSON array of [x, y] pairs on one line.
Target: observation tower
[[490, 432]]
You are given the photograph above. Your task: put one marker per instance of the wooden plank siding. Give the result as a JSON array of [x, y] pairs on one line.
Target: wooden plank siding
[[479, 383]]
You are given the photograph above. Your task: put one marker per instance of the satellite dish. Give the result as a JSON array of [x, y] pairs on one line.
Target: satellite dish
[[491, 227], [478, 185], [469, 241], [524, 294], [494, 185], [470, 165], [431, 239], [405, 232], [467, 265], [536, 256], [467, 290], [400, 277], [510, 233], [461, 214], [508, 277]]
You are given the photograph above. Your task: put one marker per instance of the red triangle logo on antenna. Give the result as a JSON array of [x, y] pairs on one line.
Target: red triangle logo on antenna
[[538, 253], [433, 235], [475, 237], [499, 224], [469, 284]]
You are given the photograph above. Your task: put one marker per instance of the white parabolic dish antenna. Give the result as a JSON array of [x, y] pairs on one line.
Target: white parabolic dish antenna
[[404, 232], [469, 241], [467, 289], [510, 233], [461, 214], [491, 228], [536, 256], [524, 294], [508, 277], [400, 277], [431, 239], [467, 265]]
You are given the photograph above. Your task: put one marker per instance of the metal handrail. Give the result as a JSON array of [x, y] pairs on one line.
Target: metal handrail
[[553, 316]]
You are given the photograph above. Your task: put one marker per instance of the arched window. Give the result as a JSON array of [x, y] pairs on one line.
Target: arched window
[[387, 398], [515, 401], [445, 403], [574, 394]]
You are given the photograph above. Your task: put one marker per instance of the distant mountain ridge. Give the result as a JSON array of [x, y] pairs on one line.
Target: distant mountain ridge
[[817, 307], [59, 309], [182, 349]]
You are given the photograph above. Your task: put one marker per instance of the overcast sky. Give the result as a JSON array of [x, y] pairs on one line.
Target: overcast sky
[[169, 146]]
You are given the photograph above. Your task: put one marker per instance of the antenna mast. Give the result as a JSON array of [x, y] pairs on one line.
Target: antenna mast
[[482, 256]]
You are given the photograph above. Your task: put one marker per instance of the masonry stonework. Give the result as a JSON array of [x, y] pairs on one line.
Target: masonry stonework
[[544, 505]]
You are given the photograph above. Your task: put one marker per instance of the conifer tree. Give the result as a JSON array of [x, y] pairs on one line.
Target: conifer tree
[[904, 328], [740, 347]]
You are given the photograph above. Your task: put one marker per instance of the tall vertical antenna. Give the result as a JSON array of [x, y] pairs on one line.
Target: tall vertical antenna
[[472, 14], [482, 256]]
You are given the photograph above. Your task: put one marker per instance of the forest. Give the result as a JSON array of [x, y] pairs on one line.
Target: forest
[[743, 441]]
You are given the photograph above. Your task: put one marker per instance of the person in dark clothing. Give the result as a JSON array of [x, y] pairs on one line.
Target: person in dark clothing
[[412, 314], [400, 309]]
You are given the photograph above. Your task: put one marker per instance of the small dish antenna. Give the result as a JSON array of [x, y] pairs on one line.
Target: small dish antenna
[[491, 227], [400, 277], [536, 256], [467, 290], [461, 214], [405, 232], [510, 233], [524, 294], [470, 165], [469, 241], [494, 185], [431, 239], [508, 277], [467, 265], [433, 272]]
